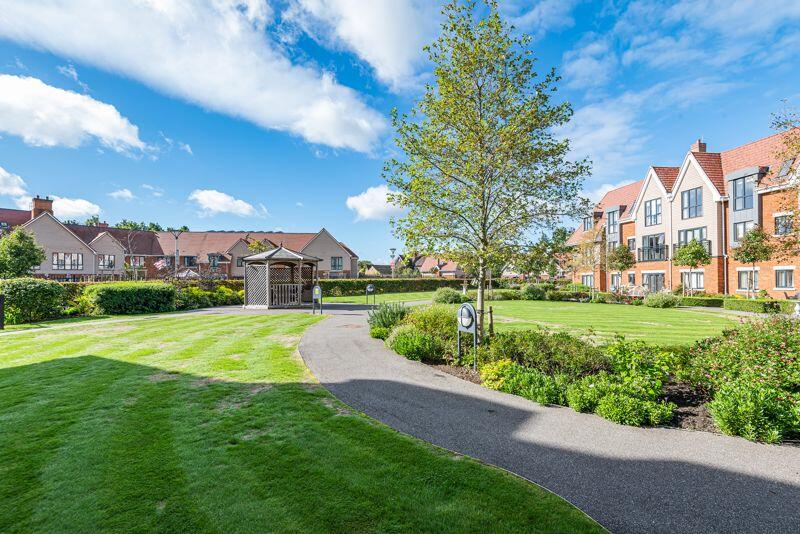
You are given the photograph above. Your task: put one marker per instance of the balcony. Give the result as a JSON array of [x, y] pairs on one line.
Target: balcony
[[705, 242], [657, 253]]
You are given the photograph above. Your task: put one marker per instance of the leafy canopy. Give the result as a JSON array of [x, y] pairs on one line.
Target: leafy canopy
[[693, 255], [756, 246], [621, 258], [19, 254]]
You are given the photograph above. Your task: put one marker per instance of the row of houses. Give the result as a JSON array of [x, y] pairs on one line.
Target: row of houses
[[78, 252], [426, 266], [712, 197]]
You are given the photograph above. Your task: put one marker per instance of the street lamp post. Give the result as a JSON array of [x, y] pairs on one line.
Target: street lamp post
[[391, 262], [176, 234]]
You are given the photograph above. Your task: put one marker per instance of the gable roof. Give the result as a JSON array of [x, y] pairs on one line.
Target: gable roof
[[766, 152], [624, 196], [281, 253], [134, 242], [106, 234], [667, 175], [711, 163], [14, 217], [69, 230]]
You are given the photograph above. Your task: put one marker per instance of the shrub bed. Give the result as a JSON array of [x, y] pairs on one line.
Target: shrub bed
[[385, 317], [411, 342], [126, 298], [32, 299]]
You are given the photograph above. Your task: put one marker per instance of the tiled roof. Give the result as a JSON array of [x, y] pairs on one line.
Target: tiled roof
[[766, 152], [14, 217], [135, 242], [349, 251], [622, 196], [667, 175], [711, 162], [429, 263]]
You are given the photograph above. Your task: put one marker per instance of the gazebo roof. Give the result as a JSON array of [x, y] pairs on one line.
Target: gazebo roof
[[280, 253]]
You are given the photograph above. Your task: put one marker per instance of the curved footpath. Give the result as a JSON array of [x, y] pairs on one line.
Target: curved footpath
[[629, 479]]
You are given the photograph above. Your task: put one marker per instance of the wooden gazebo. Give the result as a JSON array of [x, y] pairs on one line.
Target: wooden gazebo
[[279, 278]]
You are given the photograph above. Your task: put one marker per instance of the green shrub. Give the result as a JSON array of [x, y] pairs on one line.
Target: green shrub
[[357, 286], [708, 302], [535, 291], [633, 411], [438, 320], [407, 340], [336, 291], [32, 299], [224, 296], [387, 315], [574, 296], [551, 353], [126, 298], [379, 332], [578, 288], [755, 305], [192, 298], [448, 295], [662, 300], [755, 411], [504, 294], [641, 368], [585, 394], [493, 374], [510, 377]]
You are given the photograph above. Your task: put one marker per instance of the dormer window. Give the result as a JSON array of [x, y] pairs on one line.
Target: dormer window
[[588, 223]]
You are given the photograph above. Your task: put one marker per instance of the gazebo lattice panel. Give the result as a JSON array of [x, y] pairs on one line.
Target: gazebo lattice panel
[[256, 288]]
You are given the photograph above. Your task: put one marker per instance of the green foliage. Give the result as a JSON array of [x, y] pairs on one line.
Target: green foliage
[[708, 302], [510, 377], [411, 342], [438, 320], [634, 411], [19, 254], [448, 295], [642, 368], [662, 300], [504, 294], [692, 255], [387, 315], [31, 299], [535, 291], [568, 295], [621, 259], [224, 296], [543, 256], [758, 305], [584, 394], [141, 226], [550, 353], [192, 298], [755, 247], [125, 298], [338, 287], [755, 411], [379, 332]]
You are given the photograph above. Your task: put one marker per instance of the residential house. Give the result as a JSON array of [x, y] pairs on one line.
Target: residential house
[[378, 271]]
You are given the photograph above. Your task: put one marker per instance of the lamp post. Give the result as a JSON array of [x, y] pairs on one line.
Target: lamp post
[[391, 262], [176, 234]]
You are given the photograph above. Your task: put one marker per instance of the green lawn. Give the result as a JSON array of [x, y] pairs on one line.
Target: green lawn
[[383, 297], [212, 423], [602, 321]]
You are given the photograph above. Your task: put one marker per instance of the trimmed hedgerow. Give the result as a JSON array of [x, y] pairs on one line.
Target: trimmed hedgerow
[[662, 300], [32, 299], [357, 286], [760, 305], [707, 302], [125, 298]]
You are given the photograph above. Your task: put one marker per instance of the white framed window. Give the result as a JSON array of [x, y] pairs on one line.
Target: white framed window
[[616, 281], [137, 262], [741, 228], [336, 263], [693, 280], [587, 280], [105, 261], [239, 262], [742, 194], [652, 212], [67, 261], [784, 278], [744, 277], [692, 203]]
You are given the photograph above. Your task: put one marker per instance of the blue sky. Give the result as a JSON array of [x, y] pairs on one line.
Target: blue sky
[[266, 114]]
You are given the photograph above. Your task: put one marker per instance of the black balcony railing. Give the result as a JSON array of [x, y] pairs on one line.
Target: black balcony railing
[[657, 253], [705, 242]]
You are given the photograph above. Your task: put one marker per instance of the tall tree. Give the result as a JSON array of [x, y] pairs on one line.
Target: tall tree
[[590, 253], [544, 256], [19, 253], [482, 164], [94, 220], [756, 246], [691, 255], [621, 259]]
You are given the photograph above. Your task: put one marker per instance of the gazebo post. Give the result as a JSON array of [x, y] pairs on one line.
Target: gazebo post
[[246, 293], [269, 290]]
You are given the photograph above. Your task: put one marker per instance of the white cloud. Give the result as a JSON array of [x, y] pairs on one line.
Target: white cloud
[[213, 202], [153, 190], [43, 115], [591, 63], [600, 191], [70, 72], [299, 204], [122, 194], [11, 184], [185, 147], [540, 17], [373, 204], [214, 54], [386, 34], [74, 208]]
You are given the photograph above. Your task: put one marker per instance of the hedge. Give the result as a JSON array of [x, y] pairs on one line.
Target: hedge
[[31, 299], [125, 298], [706, 302], [760, 305], [357, 286]]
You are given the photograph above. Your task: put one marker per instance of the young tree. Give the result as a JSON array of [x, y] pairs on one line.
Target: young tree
[[787, 122], [691, 255], [621, 259], [482, 164], [19, 254], [756, 246], [590, 253], [544, 256]]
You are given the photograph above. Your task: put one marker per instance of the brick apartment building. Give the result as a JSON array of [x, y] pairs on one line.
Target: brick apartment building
[[713, 197], [80, 252]]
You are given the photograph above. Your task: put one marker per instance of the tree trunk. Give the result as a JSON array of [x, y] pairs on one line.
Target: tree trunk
[[480, 303]]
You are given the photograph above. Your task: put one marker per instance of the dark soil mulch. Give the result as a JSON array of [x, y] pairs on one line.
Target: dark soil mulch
[[464, 373], [692, 412]]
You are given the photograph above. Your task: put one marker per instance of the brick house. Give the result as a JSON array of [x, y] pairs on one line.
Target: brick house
[[712, 197]]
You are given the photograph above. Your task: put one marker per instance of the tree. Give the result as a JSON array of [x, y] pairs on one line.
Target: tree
[[621, 259], [691, 255], [756, 246], [787, 122], [256, 247], [544, 256], [19, 254], [142, 226], [363, 265], [94, 220], [482, 165], [590, 253]]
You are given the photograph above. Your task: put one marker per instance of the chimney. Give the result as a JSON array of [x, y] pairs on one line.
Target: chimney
[[41, 205], [103, 224], [698, 146]]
